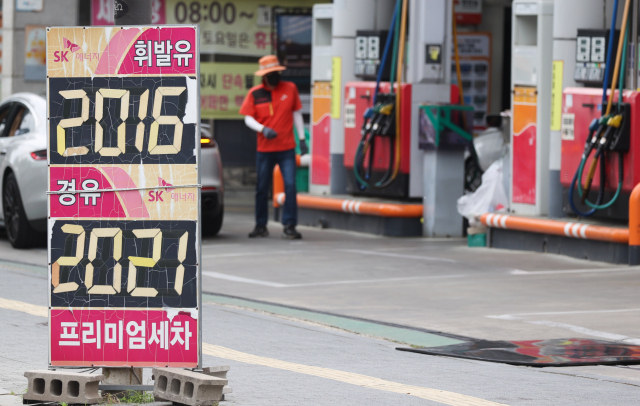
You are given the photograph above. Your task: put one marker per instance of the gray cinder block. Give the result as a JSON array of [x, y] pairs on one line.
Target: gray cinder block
[[187, 387], [219, 372], [62, 386]]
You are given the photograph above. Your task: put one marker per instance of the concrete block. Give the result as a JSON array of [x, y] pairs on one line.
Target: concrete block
[[219, 372], [62, 386], [187, 387]]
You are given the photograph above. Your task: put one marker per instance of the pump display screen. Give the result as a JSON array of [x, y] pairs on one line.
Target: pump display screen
[[124, 196]]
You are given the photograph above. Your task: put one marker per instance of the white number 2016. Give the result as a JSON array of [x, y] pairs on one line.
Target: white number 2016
[[124, 96], [134, 262]]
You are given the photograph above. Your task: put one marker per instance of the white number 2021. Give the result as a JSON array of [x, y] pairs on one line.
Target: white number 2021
[[134, 262]]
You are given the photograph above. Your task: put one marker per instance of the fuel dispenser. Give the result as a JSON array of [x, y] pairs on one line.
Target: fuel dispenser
[[600, 159], [321, 76], [532, 37], [372, 143], [377, 126], [381, 112]]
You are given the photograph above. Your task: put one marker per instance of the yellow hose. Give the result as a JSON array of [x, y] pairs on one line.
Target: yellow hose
[[403, 28]]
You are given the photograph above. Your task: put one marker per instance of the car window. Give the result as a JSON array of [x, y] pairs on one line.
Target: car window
[[4, 116], [22, 121], [27, 124]]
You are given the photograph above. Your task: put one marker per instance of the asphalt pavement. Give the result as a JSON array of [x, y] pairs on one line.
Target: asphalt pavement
[[317, 321]]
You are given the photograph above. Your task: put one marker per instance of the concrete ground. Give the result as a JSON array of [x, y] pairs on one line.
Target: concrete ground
[[287, 317], [432, 284]]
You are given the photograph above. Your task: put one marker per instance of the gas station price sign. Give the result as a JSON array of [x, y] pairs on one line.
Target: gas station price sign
[[124, 196]]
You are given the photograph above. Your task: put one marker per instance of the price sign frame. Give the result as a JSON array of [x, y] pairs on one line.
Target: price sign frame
[[124, 220]]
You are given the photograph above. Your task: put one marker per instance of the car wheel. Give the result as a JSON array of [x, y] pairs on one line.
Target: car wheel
[[211, 225], [19, 231]]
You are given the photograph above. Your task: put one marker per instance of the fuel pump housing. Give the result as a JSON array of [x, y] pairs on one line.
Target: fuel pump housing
[[580, 106]]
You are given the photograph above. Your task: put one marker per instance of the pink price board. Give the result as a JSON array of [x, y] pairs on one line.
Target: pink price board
[[124, 196]]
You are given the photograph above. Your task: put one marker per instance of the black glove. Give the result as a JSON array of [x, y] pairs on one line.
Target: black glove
[[304, 149], [269, 133]]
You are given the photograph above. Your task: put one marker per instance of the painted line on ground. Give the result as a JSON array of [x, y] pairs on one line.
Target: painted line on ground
[[241, 279], [572, 327], [23, 266], [248, 254], [594, 270], [392, 255], [518, 315], [28, 308], [385, 331], [436, 395], [587, 331], [358, 281]]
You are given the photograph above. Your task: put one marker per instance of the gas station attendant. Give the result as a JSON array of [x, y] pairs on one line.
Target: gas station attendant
[[271, 109]]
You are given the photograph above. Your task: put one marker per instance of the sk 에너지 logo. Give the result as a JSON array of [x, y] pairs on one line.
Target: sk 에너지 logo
[[62, 56]]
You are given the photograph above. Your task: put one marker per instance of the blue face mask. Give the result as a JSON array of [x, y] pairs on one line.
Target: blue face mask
[[272, 79]]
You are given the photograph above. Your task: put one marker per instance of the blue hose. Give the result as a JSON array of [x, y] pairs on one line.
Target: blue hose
[[362, 184], [612, 37], [383, 62], [578, 176]]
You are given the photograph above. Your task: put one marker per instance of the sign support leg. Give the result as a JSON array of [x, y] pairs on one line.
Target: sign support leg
[[127, 12], [121, 377]]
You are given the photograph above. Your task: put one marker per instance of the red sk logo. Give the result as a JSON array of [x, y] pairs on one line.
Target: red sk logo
[[68, 44], [162, 182]]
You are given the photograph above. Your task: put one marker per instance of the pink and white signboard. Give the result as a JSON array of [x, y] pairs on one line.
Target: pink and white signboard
[[160, 338], [124, 196]]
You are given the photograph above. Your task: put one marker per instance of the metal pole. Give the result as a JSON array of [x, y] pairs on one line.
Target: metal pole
[[119, 381], [132, 12]]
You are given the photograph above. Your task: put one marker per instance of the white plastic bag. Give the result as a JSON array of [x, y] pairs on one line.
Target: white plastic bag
[[489, 146], [490, 197]]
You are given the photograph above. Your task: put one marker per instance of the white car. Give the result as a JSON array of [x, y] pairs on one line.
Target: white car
[[212, 192], [23, 171]]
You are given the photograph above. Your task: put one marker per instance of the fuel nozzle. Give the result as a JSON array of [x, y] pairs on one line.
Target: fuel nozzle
[[591, 138], [369, 118], [615, 121], [387, 109], [596, 128]]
